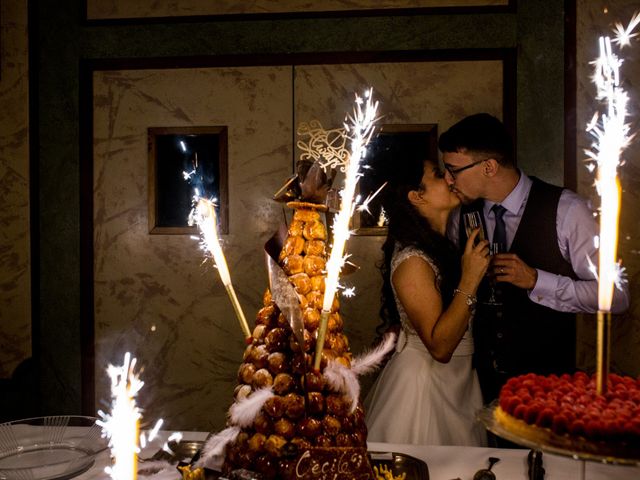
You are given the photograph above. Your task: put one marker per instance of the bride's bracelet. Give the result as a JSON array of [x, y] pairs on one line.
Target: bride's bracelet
[[472, 300]]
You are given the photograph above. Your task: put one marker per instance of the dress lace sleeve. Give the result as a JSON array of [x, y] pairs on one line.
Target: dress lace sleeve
[[399, 256]]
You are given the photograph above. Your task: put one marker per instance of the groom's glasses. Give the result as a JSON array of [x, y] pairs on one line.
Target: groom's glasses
[[454, 171]]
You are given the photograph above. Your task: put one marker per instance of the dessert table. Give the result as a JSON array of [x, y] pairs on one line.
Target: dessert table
[[444, 462]]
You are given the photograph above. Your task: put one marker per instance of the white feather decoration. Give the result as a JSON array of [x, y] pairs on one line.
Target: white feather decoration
[[370, 361], [213, 450], [153, 467], [342, 379], [244, 412]]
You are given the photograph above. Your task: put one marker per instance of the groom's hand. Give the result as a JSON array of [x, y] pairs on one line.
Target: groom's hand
[[510, 268]]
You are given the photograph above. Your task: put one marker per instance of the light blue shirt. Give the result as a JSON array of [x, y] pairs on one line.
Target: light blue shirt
[[576, 229]]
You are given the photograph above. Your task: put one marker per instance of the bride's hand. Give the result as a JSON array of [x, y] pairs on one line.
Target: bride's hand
[[475, 261]]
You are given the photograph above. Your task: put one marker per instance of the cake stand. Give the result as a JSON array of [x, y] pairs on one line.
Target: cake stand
[[583, 451]]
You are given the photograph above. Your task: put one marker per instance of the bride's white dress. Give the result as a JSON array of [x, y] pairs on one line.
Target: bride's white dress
[[418, 400]]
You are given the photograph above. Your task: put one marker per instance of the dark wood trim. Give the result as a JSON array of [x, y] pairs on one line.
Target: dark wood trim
[[34, 190], [87, 312], [374, 12], [570, 100], [315, 58], [509, 99]]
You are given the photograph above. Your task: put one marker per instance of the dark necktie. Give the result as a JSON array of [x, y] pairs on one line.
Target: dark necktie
[[500, 231]]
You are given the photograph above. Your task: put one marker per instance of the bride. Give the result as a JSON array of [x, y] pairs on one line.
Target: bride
[[428, 393]]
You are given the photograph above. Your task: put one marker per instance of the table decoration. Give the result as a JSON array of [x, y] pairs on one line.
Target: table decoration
[[49, 448]]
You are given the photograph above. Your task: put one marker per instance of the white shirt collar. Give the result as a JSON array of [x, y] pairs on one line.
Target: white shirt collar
[[516, 198]]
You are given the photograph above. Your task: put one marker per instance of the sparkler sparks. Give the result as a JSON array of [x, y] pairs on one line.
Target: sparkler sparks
[[611, 136], [359, 129], [152, 434], [204, 215], [364, 206], [121, 425], [624, 35]]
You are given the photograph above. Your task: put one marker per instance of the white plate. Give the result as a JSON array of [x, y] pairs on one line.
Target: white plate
[[48, 448]]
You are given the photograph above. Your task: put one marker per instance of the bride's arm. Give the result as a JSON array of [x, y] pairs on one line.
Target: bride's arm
[[415, 284]]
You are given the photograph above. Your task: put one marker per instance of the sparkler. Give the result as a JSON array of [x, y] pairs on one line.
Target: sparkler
[[121, 425], [360, 129], [364, 206], [611, 137], [204, 215]]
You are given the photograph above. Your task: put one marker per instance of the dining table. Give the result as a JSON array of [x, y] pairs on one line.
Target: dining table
[[443, 462]]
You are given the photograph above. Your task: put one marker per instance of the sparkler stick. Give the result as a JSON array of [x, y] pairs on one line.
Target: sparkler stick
[[359, 129], [204, 215], [121, 425], [611, 137]]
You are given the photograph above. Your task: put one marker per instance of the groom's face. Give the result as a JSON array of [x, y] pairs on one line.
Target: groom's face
[[463, 173]]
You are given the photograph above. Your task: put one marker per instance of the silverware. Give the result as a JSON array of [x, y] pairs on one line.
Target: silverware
[[184, 449], [534, 461], [486, 473]]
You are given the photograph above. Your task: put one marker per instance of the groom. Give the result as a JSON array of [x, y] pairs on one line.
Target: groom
[[544, 277]]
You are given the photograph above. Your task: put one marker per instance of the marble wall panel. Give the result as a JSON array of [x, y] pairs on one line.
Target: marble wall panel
[[15, 273], [596, 18], [110, 9], [153, 295], [422, 92]]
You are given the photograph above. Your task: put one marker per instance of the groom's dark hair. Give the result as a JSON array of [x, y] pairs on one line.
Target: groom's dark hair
[[480, 134]]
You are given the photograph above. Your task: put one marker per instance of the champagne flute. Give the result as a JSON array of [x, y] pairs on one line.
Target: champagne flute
[[494, 248], [472, 220]]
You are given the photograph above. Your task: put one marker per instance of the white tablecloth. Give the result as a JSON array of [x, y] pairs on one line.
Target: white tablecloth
[[447, 463]]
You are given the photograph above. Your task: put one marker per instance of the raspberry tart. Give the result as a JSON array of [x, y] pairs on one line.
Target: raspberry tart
[[566, 412]]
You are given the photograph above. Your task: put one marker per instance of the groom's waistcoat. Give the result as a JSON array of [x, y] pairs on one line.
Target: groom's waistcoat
[[521, 336]]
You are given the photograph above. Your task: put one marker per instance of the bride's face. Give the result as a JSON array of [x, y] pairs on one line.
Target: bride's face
[[435, 191]]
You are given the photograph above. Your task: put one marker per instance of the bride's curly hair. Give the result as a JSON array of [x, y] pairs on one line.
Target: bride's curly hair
[[406, 227]]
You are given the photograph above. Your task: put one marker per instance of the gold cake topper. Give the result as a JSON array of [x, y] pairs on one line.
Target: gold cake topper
[[327, 147], [323, 153]]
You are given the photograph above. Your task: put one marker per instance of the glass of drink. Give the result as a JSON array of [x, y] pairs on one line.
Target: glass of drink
[[494, 248], [472, 220]]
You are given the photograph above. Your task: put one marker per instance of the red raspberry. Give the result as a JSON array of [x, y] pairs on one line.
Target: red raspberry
[[513, 403], [614, 378], [521, 412], [531, 413], [545, 418], [594, 428], [504, 403], [560, 424], [622, 393], [513, 383], [526, 399], [577, 428], [580, 377], [568, 414]]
